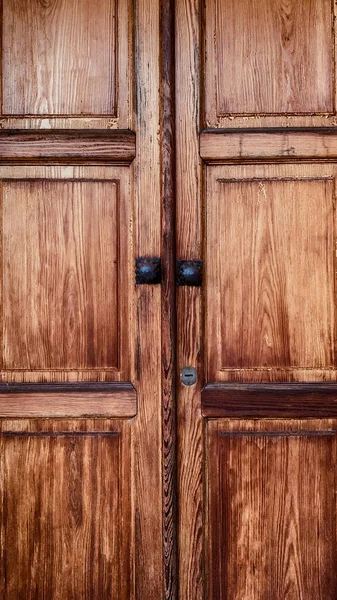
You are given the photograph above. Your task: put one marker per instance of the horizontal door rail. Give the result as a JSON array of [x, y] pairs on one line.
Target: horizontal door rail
[[67, 146], [25, 400], [286, 400], [268, 144]]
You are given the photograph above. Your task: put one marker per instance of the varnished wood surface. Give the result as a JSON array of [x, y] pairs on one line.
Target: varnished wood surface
[[67, 247], [286, 66], [68, 400], [148, 502], [60, 251], [282, 400], [189, 191], [269, 144], [272, 510], [68, 147], [169, 428], [59, 57], [270, 248], [65, 517]]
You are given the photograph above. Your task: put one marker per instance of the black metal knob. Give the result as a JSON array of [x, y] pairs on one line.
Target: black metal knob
[[148, 270], [189, 272]]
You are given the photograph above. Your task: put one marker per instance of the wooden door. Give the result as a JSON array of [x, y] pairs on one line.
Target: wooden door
[[83, 482], [256, 187]]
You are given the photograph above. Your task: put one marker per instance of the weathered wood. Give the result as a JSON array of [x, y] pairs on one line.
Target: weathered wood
[[189, 325], [65, 497], [55, 400], [59, 58], [168, 325], [263, 58], [270, 269], [148, 427], [268, 145], [67, 147], [272, 509], [284, 400]]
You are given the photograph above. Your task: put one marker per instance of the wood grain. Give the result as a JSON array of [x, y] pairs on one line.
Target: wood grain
[[65, 527], [60, 287], [169, 427], [269, 144], [67, 400], [272, 521], [269, 400], [286, 66], [188, 26], [272, 242], [59, 57], [148, 426], [68, 147]]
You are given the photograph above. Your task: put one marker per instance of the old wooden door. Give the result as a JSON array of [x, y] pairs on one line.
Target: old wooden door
[[256, 178], [82, 477]]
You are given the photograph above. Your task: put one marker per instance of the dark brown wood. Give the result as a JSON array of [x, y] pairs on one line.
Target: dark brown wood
[[67, 146], [68, 400], [269, 400], [168, 302]]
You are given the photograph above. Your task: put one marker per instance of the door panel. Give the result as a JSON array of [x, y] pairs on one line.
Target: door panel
[[69, 62], [67, 247], [296, 75], [66, 536], [272, 521], [270, 277]]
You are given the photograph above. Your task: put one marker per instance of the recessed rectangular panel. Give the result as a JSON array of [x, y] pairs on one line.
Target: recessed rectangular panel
[[60, 280], [270, 273], [65, 516], [59, 57], [271, 57], [272, 510]]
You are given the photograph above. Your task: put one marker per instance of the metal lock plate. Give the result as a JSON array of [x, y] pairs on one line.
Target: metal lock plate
[[188, 376]]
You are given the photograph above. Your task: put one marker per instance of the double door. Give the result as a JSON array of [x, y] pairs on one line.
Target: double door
[[168, 365]]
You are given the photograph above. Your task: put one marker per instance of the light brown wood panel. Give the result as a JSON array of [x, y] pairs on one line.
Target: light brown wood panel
[[272, 510], [57, 55], [66, 527], [60, 279], [270, 273], [67, 265], [264, 57]]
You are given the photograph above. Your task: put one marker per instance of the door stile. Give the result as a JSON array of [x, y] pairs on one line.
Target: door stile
[[189, 301], [168, 305]]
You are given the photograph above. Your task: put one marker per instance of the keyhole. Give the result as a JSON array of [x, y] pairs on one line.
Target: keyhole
[[188, 376]]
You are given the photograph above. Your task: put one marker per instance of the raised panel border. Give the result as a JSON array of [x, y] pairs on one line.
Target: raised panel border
[[81, 400], [284, 400], [268, 145], [67, 146]]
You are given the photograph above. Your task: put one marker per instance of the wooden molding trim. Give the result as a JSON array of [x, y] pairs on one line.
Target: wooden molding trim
[[106, 400], [284, 400], [68, 146], [268, 144]]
